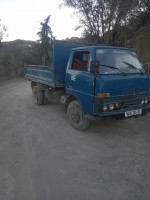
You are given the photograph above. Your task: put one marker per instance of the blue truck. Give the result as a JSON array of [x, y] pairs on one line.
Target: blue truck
[[93, 81]]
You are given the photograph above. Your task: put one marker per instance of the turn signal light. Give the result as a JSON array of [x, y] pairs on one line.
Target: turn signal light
[[103, 95]]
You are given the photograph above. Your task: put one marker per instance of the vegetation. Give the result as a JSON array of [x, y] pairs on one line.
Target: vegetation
[[14, 54], [100, 17], [3, 30], [46, 40]]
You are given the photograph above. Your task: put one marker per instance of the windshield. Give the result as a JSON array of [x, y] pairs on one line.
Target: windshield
[[125, 60]]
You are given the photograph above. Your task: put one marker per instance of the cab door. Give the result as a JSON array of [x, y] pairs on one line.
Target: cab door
[[79, 80]]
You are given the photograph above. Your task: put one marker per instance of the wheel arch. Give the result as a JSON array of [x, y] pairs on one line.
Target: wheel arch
[[69, 100], [73, 98]]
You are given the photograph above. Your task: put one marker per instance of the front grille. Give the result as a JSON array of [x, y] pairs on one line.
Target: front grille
[[131, 103], [126, 102]]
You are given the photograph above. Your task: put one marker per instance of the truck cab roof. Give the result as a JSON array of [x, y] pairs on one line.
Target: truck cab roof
[[101, 46]]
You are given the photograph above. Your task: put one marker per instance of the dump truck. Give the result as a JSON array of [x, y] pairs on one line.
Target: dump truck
[[93, 81]]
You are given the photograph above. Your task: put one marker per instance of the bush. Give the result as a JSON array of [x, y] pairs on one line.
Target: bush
[[14, 54]]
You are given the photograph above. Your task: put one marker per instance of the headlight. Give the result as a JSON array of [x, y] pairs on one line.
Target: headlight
[[111, 107], [105, 108], [117, 105], [146, 100], [143, 101]]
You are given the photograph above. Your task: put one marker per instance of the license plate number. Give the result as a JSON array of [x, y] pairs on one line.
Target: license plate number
[[133, 112]]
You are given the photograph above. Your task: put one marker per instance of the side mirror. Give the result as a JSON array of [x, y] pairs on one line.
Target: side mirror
[[94, 66]]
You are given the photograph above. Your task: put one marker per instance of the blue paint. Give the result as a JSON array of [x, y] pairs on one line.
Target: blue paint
[[61, 57], [82, 88], [40, 74], [116, 84]]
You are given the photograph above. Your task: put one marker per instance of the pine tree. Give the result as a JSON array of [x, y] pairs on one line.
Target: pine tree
[[46, 39]]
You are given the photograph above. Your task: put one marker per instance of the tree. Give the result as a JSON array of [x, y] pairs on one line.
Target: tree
[[3, 29], [46, 40], [92, 16], [143, 16], [122, 12], [98, 17], [147, 11]]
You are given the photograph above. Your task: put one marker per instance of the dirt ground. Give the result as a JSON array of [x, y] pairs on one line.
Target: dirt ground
[[43, 158]]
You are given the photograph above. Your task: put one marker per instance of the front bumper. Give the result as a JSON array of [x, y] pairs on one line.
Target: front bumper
[[120, 114], [128, 103]]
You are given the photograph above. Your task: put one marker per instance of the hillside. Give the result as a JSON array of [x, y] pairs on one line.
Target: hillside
[[14, 54]]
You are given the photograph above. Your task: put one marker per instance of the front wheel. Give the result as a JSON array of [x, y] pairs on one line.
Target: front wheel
[[76, 117]]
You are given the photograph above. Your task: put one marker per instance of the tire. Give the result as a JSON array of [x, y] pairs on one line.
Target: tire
[[76, 117], [37, 96], [45, 99]]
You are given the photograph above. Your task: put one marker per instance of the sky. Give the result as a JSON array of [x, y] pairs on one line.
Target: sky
[[22, 19]]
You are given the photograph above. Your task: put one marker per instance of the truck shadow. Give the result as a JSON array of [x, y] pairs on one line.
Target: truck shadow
[[115, 127]]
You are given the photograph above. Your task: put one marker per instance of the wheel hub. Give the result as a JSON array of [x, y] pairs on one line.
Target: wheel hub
[[75, 115]]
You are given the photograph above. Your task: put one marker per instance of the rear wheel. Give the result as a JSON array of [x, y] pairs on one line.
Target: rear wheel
[[37, 96], [76, 117], [45, 98]]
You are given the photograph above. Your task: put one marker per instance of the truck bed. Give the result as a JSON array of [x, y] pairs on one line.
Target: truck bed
[[54, 75]]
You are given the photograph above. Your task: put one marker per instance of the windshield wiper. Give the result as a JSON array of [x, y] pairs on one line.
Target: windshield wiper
[[112, 67], [130, 65]]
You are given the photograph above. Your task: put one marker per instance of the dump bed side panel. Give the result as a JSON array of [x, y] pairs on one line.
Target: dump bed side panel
[[41, 74]]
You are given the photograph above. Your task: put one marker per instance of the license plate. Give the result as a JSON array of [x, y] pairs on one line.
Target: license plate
[[133, 112]]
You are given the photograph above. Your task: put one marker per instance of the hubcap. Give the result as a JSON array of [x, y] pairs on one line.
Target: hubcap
[[75, 114]]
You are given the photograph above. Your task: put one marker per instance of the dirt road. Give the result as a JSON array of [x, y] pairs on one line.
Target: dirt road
[[43, 158]]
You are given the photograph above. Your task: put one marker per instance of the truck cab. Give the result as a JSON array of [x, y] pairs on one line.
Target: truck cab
[[116, 86]]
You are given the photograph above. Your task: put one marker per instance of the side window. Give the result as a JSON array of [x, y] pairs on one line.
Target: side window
[[81, 60]]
